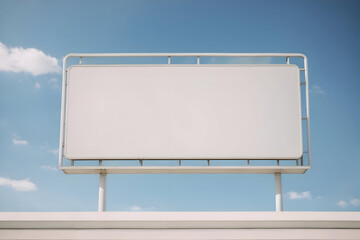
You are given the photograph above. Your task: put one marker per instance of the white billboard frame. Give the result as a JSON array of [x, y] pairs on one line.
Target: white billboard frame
[[299, 168], [277, 170]]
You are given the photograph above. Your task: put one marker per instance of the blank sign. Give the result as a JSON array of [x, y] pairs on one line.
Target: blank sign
[[183, 112]]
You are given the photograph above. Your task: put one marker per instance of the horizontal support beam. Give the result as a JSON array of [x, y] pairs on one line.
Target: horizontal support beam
[[186, 169], [177, 159]]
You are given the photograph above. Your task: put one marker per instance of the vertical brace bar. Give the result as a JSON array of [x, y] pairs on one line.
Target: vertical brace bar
[[208, 162], [278, 193], [197, 60], [80, 62], [287, 60], [62, 114], [307, 110], [169, 60], [248, 162], [102, 193], [179, 162]]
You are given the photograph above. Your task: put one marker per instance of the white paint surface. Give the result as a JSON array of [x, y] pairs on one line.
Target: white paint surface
[[180, 225], [176, 220], [183, 112]]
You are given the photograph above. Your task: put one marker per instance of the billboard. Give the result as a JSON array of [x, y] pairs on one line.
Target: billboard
[[183, 112]]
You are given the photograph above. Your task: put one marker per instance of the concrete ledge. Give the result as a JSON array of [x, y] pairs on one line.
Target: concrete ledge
[[180, 220], [177, 234]]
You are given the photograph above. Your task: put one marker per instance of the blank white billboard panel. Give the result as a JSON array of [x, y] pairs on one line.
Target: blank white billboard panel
[[183, 112]]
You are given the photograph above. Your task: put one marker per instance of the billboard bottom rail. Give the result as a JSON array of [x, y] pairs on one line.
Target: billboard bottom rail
[[185, 169]]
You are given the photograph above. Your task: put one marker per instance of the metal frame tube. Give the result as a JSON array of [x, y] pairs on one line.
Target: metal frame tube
[[307, 109], [278, 193], [62, 114], [102, 192], [185, 55]]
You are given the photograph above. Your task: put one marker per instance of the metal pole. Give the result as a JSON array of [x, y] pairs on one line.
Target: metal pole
[[307, 109], [278, 193], [62, 114], [102, 193]]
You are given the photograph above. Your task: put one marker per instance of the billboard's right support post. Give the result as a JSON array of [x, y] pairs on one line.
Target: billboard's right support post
[[102, 193], [278, 193]]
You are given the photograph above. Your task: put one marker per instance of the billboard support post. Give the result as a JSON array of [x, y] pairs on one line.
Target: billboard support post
[[102, 193], [278, 193]]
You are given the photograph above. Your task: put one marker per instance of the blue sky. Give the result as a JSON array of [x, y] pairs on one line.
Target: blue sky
[[328, 32]]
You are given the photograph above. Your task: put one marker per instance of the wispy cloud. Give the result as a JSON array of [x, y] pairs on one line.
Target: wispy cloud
[[316, 89], [342, 203], [54, 151], [134, 208], [18, 141], [46, 167], [54, 82], [138, 208], [37, 85], [353, 202], [299, 195], [30, 60], [18, 185], [47, 147]]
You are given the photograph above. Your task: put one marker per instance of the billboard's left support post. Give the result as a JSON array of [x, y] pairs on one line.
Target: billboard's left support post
[[278, 193], [102, 193]]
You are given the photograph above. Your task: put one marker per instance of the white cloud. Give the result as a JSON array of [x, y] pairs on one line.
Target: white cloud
[[355, 202], [316, 89], [17, 141], [47, 147], [300, 195], [30, 60], [138, 208], [46, 167], [342, 203], [134, 208], [54, 82], [18, 185], [53, 151], [37, 85]]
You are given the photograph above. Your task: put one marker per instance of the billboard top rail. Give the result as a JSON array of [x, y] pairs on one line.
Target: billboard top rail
[[185, 55]]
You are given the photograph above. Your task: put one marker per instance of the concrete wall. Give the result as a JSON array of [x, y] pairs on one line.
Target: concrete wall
[[180, 225]]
